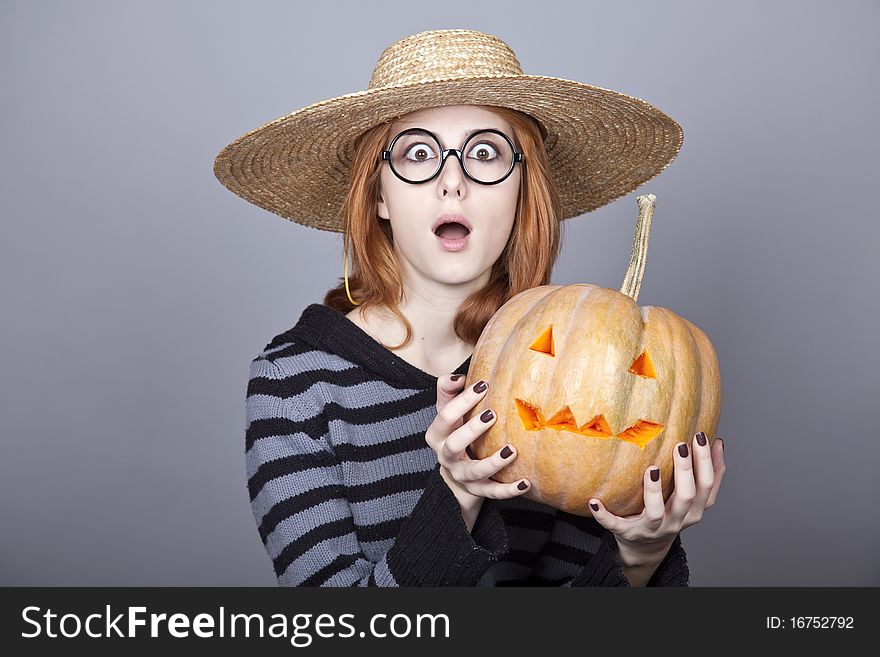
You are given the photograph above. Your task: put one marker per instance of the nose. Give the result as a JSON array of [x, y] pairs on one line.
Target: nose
[[451, 178]]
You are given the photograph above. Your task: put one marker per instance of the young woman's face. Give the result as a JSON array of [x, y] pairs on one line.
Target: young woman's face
[[414, 210]]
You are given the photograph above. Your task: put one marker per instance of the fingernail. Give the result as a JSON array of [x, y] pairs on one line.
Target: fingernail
[[455, 377], [522, 485], [701, 439], [722, 443], [506, 452], [487, 415], [655, 474], [683, 450], [479, 386], [594, 507]]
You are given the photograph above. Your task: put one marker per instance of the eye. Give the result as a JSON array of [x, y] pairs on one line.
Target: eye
[[544, 343], [485, 152], [643, 366], [420, 152]]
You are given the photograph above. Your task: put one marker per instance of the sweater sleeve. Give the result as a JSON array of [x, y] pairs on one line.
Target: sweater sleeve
[[298, 497], [603, 568]]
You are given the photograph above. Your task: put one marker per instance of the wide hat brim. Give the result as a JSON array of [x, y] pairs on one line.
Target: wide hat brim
[[601, 144]]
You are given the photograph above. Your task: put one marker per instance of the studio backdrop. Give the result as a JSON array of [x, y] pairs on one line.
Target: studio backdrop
[[135, 290]]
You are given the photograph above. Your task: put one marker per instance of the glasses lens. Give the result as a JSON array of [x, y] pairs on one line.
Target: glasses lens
[[416, 155], [487, 157]]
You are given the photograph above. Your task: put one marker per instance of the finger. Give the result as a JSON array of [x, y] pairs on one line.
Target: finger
[[485, 468], [685, 488], [498, 491], [655, 509], [704, 472], [719, 467], [604, 517], [450, 409], [450, 416], [448, 386], [453, 448]]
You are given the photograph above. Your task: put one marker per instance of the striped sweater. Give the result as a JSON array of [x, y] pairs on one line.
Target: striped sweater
[[346, 492]]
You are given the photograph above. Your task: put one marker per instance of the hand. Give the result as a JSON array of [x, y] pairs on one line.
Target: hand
[[449, 437], [650, 534]]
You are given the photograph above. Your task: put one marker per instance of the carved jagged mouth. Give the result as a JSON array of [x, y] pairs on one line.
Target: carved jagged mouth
[[641, 433]]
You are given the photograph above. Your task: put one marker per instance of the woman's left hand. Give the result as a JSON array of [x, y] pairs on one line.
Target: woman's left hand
[[650, 534]]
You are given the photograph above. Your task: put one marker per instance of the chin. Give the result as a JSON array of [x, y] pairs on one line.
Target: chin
[[457, 275]]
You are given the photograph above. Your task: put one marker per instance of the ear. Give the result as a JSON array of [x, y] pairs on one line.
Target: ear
[[382, 207]]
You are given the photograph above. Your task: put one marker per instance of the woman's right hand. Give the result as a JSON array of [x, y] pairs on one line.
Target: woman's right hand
[[449, 436]]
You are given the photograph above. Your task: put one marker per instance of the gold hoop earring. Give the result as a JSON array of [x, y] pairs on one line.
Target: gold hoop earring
[[347, 291]]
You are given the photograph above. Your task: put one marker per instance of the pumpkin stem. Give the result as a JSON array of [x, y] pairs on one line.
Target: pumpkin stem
[[639, 255]]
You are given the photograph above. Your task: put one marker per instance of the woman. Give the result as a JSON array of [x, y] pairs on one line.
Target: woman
[[356, 446]]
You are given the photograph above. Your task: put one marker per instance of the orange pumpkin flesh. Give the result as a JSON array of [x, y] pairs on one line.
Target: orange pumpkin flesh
[[641, 433], [592, 389]]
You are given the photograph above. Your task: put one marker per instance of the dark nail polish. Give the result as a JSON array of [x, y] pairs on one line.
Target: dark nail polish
[[522, 485], [455, 377], [655, 474], [506, 452], [480, 386], [683, 450], [722, 444], [487, 415], [701, 439], [594, 507]]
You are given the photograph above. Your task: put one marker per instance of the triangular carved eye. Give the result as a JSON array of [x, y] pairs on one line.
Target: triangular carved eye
[[544, 343], [643, 366]]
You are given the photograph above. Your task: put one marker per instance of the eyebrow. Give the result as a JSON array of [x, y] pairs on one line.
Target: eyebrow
[[466, 136]]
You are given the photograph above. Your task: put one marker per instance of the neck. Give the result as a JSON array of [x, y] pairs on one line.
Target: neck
[[432, 320], [430, 308]]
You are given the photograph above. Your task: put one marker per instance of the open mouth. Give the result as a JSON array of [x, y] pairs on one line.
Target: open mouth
[[452, 230], [452, 235]]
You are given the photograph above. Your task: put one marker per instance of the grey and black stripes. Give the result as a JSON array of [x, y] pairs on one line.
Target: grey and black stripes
[[345, 491]]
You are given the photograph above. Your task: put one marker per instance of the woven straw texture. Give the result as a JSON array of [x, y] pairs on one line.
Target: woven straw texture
[[602, 144]]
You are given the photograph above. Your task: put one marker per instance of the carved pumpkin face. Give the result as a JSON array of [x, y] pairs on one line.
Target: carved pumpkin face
[[592, 389], [640, 433]]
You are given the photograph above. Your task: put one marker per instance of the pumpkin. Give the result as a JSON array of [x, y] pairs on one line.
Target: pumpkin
[[592, 389]]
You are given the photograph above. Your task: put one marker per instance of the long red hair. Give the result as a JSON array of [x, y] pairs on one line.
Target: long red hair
[[527, 260]]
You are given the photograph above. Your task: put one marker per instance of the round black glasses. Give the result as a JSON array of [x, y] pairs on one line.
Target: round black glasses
[[487, 156]]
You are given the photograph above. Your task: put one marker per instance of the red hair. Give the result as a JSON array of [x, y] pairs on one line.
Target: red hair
[[527, 260]]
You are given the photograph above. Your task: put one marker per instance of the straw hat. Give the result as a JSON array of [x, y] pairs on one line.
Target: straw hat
[[602, 144]]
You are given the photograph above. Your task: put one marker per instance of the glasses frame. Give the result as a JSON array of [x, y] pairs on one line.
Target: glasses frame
[[444, 154]]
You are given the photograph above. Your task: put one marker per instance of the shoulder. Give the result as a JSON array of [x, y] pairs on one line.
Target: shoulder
[[296, 350], [292, 374], [301, 367], [288, 356], [377, 324]]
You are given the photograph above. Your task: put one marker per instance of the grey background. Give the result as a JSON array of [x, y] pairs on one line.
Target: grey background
[[135, 289]]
